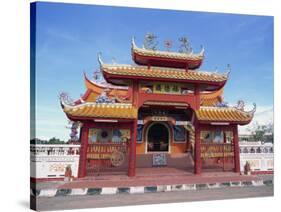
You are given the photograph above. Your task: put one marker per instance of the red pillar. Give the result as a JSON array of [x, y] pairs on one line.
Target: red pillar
[[132, 153], [236, 150], [197, 97], [83, 152], [198, 160]]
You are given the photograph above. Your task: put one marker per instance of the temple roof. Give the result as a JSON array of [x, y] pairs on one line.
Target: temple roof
[[158, 73], [97, 86], [100, 110], [94, 89], [212, 98], [224, 114], [145, 56]]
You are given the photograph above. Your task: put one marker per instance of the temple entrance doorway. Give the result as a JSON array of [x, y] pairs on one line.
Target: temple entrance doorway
[[158, 138]]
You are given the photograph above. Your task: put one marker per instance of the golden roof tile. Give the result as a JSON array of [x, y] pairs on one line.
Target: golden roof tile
[[224, 114], [101, 110], [211, 99], [164, 73]]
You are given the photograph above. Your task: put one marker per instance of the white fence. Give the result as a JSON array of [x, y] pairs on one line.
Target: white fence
[[50, 161], [259, 155]]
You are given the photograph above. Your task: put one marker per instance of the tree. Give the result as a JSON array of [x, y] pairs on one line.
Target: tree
[[262, 133], [55, 141], [50, 141]]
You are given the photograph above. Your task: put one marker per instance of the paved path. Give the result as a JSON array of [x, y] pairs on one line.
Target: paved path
[[74, 202]]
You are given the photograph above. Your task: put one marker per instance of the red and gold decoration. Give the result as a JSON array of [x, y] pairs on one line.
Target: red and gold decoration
[[116, 113]]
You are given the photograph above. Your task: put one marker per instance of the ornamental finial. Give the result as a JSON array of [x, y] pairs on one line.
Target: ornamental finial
[[133, 42], [99, 59], [65, 99], [240, 105], [168, 44], [254, 109], [228, 67], [202, 52], [185, 46], [150, 41]]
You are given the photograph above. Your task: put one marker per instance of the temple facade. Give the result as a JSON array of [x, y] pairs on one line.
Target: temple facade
[[162, 111]]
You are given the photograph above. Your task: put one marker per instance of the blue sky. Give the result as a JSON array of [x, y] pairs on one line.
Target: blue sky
[[69, 37]]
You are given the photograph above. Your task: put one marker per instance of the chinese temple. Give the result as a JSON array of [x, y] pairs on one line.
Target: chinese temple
[[160, 112]]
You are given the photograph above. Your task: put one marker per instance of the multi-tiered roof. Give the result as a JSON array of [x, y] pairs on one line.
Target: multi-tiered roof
[[113, 99]]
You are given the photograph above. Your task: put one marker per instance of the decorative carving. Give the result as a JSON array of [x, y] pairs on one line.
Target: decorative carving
[[185, 46], [149, 41], [65, 98], [117, 158], [148, 90], [74, 131], [159, 159], [222, 104], [240, 105], [190, 128], [168, 44], [103, 97], [97, 76], [254, 109]]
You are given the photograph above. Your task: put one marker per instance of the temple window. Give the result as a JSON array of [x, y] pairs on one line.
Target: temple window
[[206, 136], [212, 136], [258, 150], [167, 88], [108, 135], [158, 87], [218, 137], [179, 134], [175, 88], [229, 137]]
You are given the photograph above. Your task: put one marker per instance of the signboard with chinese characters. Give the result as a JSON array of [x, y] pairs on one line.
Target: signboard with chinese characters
[[168, 88], [217, 150], [104, 151], [159, 118]]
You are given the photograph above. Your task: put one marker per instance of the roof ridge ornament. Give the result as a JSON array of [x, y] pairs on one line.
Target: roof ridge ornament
[[228, 70], [99, 59], [65, 99], [114, 61], [240, 105], [251, 112], [202, 52], [149, 42], [133, 43], [185, 46], [168, 44]]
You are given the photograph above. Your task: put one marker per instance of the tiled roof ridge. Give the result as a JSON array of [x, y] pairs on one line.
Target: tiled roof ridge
[[161, 53], [164, 69]]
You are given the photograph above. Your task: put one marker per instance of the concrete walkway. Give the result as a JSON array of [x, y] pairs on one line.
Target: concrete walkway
[[75, 202]]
